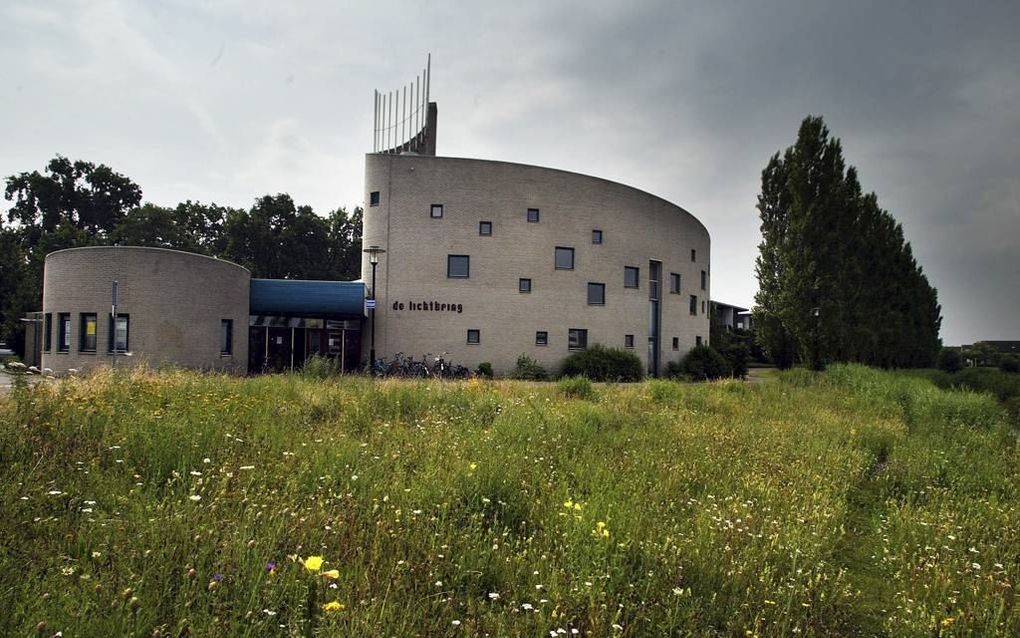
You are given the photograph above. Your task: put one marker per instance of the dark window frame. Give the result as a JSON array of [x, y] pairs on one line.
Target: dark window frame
[[698, 341], [449, 265], [693, 305], [482, 227], [541, 338], [48, 327], [112, 333], [694, 254], [533, 219], [676, 343], [373, 198], [432, 211], [580, 337], [522, 287], [704, 280], [675, 283], [596, 236], [63, 332], [627, 270], [476, 333], [628, 341], [83, 318], [556, 258], [227, 337], [594, 285]]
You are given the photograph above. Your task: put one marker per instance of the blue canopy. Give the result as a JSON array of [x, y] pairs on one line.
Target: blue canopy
[[300, 297]]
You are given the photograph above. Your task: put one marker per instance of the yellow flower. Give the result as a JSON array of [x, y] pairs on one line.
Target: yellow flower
[[332, 606], [313, 563], [473, 467], [948, 622], [332, 574]]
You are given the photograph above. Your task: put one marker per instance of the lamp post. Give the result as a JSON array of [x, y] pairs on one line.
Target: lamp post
[[373, 258]]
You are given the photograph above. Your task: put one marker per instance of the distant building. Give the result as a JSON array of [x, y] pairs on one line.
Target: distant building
[[731, 317]]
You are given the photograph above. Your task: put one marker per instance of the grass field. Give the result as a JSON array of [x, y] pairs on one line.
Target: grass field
[[852, 503]]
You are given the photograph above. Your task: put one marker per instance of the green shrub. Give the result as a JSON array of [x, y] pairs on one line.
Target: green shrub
[[674, 370], [528, 369], [1010, 363], [949, 360], [576, 387], [484, 370], [600, 363], [703, 363], [736, 354], [318, 366]]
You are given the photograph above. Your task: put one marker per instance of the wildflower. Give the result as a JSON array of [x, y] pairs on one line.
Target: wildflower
[[600, 530], [246, 467], [195, 497], [493, 596], [332, 574], [312, 563], [271, 567], [332, 606], [473, 467], [455, 623], [948, 621], [217, 577]]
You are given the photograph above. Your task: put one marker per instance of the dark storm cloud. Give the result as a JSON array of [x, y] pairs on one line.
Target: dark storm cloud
[[224, 101]]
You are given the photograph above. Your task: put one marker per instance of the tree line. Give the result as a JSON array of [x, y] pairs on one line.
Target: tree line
[[837, 281], [78, 203]]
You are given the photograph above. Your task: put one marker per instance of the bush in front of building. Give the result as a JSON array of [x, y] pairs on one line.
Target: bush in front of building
[[320, 367], [527, 369], [1010, 363], [704, 363], [949, 360], [484, 369], [599, 363], [577, 388]]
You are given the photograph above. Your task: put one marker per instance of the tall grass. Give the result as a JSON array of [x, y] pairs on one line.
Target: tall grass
[[856, 502]]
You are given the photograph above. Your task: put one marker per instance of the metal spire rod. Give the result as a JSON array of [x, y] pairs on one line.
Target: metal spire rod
[[428, 81], [403, 119]]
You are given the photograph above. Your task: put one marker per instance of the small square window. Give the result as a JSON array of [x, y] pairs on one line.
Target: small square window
[[596, 236], [564, 258], [704, 280], [596, 294], [474, 336], [373, 198], [674, 283], [541, 338], [485, 229], [533, 215], [694, 254], [676, 343], [458, 266], [436, 211], [631, 277], [697, 340], [577, 339], [523, 285], [628, 341], [694, 304]]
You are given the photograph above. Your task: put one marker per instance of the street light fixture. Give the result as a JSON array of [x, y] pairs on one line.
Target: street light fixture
[[373, 258]]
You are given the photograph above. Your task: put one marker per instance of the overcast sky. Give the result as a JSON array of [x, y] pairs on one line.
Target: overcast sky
[[225, 101]]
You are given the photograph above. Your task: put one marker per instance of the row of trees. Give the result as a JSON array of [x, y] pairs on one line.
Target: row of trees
[[78, 203], [836, 279]]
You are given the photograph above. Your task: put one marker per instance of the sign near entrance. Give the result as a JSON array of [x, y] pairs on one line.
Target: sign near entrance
[[370, 304], [428, 306]]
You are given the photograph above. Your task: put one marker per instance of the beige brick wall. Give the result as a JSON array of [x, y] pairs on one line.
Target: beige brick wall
[[175, 300], [637, 227]]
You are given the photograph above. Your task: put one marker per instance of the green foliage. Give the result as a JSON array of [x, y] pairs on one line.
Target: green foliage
[[823, 242], [577, 388], [949, 360], [704, 363], [600, 363], [1009, 363], [673, 370], [527, 369], [485, 369], [319, 366]]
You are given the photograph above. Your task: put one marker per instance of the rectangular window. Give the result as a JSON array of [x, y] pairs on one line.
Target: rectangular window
[[64, 332], [676, 343], [577, 339], [436, 211], [704, 280], [564, 258], [697, 340], [628, 341], [118, 336], [596, 236], [674, 283], [533, 215], [485, 229], [458, 266], [694, 304], [87, 332], [541, 338], [596, 294], [523, 285], [373, 198], [474, 336], [48, 336], [631, 277], [694, 254], [702, 307], [226, 336]]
